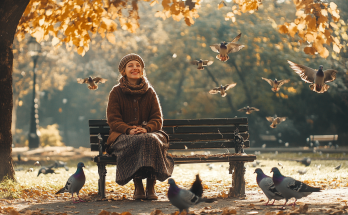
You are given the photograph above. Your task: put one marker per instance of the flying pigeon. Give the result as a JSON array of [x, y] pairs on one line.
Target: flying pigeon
[[305, 161], [183, 199], [275, 120], [201, 63], [222, 89], [45, 170], [276, 84], [226, 48], [267, 186], [92, 83], [290, 187], [75, 182], [317, 78], [197, 187], [248, 110], [338, 167]]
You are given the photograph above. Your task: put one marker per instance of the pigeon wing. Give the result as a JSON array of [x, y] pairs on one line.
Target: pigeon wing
[[242, 109], [208, 62], [188, 197], [269, 118], [268, 80], [281, 82], [233, 47], [299, 186], [195, 62], [229, 86], [282, 119], [215, 48], [329, 75], [215, 90], [307, 74], [82, 81], [254, 109], [99, 80], [236, 38]]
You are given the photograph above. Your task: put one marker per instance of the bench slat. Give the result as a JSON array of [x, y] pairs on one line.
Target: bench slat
[[193, 145], [324, 137], [183, 160], [188, 129], [207, 121]]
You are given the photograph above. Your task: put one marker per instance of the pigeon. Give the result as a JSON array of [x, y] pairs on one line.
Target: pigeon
[[276, 84], [305, 161], [45, 170], [248, 110], [183, 199], [222, 89], [317, 78], [302, 172], [290, 187], [226, 48], [75, 182], [275, 120], [338, 167], [267, 186], [30, 170], [201, 63], [280, 164], [58, 164], [197, 187], [92, 83], [318, 166], [37, 163]]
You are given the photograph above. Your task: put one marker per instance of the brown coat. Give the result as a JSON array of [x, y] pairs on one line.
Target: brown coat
[[132, 105]]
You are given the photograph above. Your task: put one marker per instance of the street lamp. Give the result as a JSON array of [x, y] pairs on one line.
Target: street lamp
[[65, 112], [34, 141]]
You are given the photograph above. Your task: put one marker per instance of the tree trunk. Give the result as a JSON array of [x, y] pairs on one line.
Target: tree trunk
[[11, 12]]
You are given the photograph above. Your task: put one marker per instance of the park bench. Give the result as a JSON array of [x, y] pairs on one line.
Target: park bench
[[323, 138], [185, 134]]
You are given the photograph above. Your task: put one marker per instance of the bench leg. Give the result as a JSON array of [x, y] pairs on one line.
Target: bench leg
[[101, 181], [237, 170]]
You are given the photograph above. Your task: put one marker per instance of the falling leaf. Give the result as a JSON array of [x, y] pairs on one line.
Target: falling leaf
[[221, 5]]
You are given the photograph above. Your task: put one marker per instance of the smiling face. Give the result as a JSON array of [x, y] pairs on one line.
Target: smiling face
[[133, 70]]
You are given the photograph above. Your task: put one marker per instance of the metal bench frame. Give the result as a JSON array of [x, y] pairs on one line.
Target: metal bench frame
[[186, 134]]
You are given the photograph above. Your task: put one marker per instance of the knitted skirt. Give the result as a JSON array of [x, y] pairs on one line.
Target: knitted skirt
[[142, 156]]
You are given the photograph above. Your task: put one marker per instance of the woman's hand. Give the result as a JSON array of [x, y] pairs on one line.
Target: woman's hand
[[138, 130]]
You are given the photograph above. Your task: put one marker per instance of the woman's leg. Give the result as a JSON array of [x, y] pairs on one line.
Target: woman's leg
[[138, 189], [150, 189]]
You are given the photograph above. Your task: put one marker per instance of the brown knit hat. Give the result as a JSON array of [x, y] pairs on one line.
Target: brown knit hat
[[126, 59]]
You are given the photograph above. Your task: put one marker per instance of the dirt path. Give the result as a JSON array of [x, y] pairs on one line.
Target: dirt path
[[333, 201]]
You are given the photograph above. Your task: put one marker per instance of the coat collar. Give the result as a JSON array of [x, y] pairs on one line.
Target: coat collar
[[134, 89]]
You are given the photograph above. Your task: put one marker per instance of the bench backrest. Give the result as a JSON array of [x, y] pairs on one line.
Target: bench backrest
[[332, 137], [188, 133]]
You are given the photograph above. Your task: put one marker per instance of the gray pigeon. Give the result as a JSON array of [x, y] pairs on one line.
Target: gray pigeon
[[290, 187], [266, 184], [226, 48], [275, 120], [222, 89], [305, 161], [183, 199], [302, 172], [201, 63], [338, 167], [75, 182], [45, 170], [317, 78]]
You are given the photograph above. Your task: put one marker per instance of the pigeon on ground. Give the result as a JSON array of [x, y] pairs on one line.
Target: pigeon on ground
[[302, 172], [222, 89], [280, 164], [248, 110], [183, 199], [275, 120], [318, 166], [197, 187], [92, 83], [338, 167], [275, 83], [30, 170], [58, 164], [290, 187], [226, 48], [305, 161], [75, 182], [317, 78], [37, 163], [267, 186], [45, 170], [201, 63]]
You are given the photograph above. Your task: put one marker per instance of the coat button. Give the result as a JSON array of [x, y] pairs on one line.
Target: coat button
[[135, 100]]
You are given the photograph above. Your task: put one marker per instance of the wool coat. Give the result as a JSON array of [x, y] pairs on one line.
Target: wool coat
[[131, 105]]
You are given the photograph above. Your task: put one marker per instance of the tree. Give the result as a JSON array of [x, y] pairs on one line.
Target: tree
[[74, 21]]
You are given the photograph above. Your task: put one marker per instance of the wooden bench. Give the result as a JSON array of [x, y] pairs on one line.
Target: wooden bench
[[323, 138], [187, 134]]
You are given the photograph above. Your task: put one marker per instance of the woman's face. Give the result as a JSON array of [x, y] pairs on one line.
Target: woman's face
[[134, 70]]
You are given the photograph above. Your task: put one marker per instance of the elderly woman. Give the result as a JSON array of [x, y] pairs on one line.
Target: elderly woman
[[135, 118]]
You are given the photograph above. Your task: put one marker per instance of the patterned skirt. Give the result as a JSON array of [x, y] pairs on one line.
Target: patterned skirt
[[142, 156]]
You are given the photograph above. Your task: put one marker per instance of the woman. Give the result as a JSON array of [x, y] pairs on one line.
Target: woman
[[135, 119]]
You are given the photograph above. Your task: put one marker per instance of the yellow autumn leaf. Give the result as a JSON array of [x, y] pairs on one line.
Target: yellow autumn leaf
[[80, 50], [283, 29], [333, 6], [324, 53], [221, 5], [309, 37], [309, 50], [336, 48], [55, 41]]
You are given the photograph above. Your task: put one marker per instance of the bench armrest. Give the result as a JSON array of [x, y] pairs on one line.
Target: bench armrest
[[100, 144]]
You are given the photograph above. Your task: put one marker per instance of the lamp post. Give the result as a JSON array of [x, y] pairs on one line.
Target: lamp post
[[65, 112], [34, 141]]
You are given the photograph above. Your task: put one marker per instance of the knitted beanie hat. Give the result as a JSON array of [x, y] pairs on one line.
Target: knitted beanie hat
[[126, 59]]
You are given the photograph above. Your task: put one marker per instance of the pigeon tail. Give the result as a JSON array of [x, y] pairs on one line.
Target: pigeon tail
[[61, 190], [93, 87], [200, 68], [197, 187], [275, 89], [223, 59]]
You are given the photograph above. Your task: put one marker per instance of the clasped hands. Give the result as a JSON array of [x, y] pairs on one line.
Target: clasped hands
[[137, 130]]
